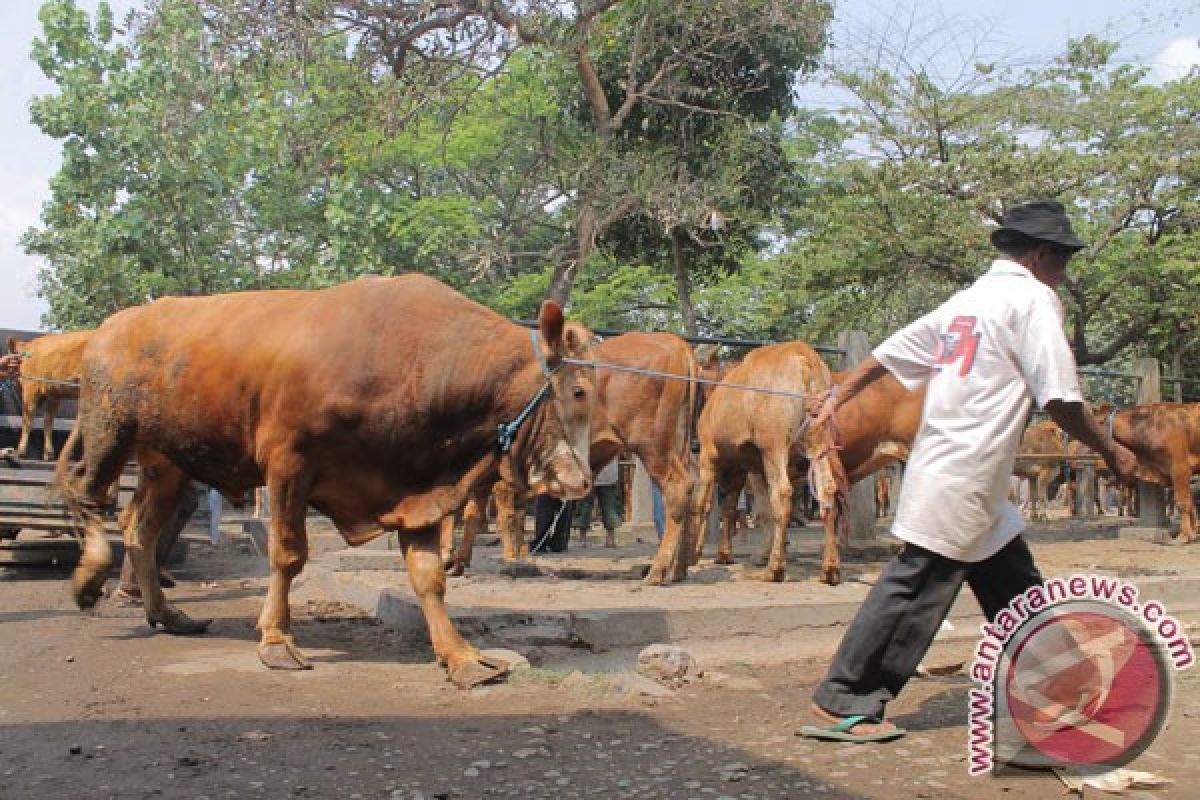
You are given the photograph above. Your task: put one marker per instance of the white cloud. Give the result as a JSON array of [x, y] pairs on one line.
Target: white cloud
[[1177, 58]]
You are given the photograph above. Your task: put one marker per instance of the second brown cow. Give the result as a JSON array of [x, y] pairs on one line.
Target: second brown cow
[[645, 414], [765, 431]]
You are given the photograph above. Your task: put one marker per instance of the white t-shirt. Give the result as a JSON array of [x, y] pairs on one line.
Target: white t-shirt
[[609, 474], [988, 352]]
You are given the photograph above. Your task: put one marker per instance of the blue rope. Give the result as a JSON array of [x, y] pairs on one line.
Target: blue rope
[[507, 431]]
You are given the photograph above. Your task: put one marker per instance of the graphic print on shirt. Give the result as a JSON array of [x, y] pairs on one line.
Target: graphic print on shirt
[[960, 341]]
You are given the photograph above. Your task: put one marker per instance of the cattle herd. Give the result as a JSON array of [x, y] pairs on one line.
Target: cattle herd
[[398, 403]]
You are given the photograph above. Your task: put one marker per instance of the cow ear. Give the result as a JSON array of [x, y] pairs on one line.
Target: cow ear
[[706, 355], [550, 320], [578, 339]]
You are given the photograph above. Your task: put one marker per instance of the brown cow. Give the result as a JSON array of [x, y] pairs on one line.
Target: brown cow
[[873, 429], [376, 402], [1039, 460], [646, 415], [1165, 437], [49, 375], [743, 431]]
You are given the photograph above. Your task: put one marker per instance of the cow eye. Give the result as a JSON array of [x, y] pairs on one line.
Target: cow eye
[[579, 392]]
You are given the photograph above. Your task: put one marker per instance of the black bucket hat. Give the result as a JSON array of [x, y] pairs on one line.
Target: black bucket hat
[[1045, 220]]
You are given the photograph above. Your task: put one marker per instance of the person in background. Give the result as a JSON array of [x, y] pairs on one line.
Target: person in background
[[658, 508], [10, 369], [550, 511], [606, 494], [10, 366]]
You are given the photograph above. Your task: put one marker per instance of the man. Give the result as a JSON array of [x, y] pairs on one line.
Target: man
[[607, 494], [10, 366], [987, 354], [550, 512], [10, 369]]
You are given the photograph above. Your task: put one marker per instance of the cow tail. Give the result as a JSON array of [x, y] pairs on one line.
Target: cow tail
[[12, 344], [62, 469], [841, 498]]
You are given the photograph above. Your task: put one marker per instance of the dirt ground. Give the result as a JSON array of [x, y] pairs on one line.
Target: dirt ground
[[97, 706]]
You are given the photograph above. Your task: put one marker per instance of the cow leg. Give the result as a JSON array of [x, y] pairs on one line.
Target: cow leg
[[766, 517], [673, 557], [1181, 480], [474, 522], [446, 545], [159, 493], [779, 492], [517, 525], [731, 489], [50, 412], [287, 548], [512, 537], [671, 476], [465, 665], [28, 408]]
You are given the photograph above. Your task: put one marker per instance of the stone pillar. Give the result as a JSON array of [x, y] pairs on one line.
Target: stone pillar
[[1153, 512], [1085, 491], [862, 494], [643, 504]]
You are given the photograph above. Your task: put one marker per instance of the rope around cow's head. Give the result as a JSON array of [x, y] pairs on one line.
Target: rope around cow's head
[[507, 431], [841, 488]]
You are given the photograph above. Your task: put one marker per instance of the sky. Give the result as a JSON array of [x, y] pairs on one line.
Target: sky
[[1162, 34]]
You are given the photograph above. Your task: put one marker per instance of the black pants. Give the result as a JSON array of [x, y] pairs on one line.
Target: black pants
[[545, 508], [904, 610]]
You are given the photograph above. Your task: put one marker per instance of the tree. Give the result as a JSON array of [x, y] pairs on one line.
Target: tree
[[898, 216], [193, 167], [658, 90]]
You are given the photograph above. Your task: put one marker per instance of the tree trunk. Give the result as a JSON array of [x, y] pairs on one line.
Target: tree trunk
[[1177, 369], [683, 283], [567, 268]]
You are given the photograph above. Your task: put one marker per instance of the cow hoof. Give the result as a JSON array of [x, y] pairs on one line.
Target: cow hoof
[[281, 655], [657, 576], [456, 569], [777, 575], [831, 576], [177, 623], [723, 558], [476, 672], [87, 592]]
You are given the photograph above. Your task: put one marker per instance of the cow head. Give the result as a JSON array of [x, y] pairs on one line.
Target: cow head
[[555, 457]]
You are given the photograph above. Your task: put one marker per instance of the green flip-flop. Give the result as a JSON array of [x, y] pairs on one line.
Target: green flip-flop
[[840, 731]]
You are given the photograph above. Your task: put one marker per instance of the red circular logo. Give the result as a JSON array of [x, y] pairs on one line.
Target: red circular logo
[[1086, 685]]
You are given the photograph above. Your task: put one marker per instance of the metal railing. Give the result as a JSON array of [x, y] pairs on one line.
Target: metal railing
[[727, 341]]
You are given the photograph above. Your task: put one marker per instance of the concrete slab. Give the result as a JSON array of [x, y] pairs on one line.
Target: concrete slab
[[563, 605], [1155, 535]]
